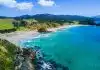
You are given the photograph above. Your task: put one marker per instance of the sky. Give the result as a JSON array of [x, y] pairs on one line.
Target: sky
[[58, 7]]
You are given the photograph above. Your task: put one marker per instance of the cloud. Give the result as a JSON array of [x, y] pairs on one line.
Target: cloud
[[24, 5], [46, 2], [15, 4]]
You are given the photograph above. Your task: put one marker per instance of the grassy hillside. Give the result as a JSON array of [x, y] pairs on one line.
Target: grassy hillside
[[6, 55], [6, 24]]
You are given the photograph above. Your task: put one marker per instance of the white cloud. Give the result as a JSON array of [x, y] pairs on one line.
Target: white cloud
[[46, 2], [24, 5], [15, 4]]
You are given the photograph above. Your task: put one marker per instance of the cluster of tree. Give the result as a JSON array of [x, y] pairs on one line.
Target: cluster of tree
[[19, 23], [7, 52]]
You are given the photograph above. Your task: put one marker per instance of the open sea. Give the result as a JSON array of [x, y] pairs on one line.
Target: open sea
[[77, 47]]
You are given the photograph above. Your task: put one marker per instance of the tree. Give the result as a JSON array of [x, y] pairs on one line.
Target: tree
[[23, 23], [16, 24]]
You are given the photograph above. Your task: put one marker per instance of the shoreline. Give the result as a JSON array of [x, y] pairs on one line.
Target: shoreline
[[16, 37]]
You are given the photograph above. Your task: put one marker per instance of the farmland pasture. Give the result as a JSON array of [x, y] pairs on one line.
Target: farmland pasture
[[6, 24]]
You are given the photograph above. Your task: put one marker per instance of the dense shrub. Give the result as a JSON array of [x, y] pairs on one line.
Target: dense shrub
[[7, 30], [42, 29]]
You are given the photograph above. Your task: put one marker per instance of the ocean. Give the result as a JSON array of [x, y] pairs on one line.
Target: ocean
[[78, 48]]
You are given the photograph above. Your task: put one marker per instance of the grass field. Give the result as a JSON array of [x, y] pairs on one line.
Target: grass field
[[6, 24]]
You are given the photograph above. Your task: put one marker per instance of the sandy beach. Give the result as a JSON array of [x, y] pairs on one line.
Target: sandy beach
[[17, 36]]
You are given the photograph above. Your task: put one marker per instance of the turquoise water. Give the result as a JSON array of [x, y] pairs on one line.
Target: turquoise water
[[77, 47]]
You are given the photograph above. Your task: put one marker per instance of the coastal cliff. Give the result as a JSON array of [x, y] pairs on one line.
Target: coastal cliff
[[6, 55], [11, 58]]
